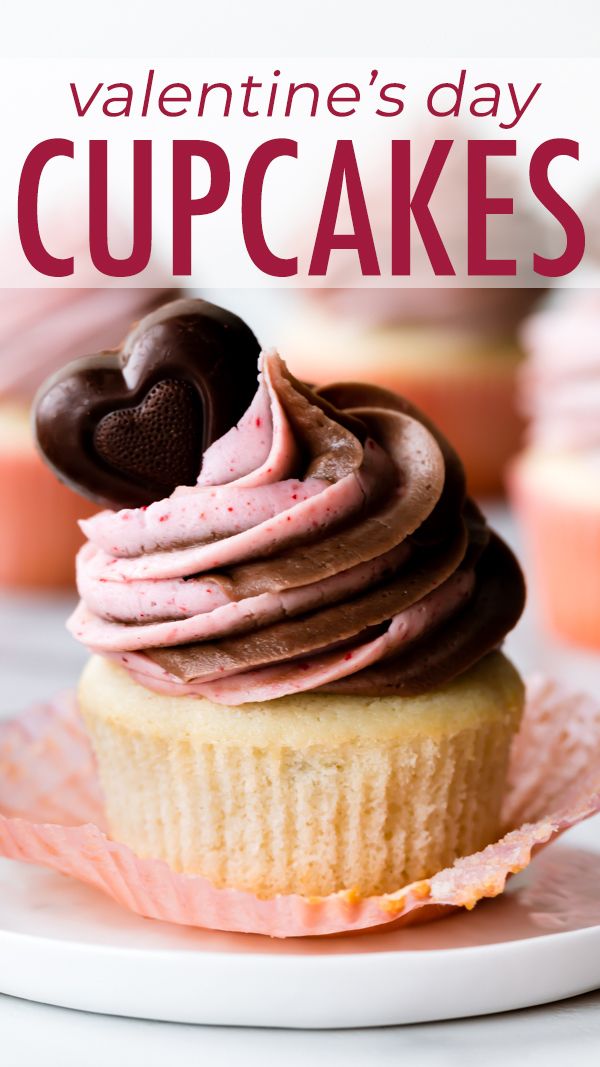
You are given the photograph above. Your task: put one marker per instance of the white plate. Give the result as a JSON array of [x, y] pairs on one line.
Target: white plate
[[63, 943]]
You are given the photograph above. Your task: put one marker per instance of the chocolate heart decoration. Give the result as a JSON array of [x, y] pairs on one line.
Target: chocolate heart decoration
[[126, 428], [170, 417]]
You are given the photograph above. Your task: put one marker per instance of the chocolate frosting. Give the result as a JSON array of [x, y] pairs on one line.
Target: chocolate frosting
[[352, 561], [371, 534], [493, 609], [125, 428], [312, 633]]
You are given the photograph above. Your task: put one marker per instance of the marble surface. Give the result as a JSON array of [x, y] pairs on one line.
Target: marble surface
[[547, 1036], [38, 657]]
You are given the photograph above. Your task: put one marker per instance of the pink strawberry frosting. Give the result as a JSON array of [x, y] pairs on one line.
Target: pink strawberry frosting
[[316, 544], [561, 380]]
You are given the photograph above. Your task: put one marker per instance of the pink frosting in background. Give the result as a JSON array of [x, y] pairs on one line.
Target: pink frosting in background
[[41, 329], [560, 383]]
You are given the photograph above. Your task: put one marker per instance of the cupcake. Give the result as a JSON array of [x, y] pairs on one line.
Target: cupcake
[[453, 351], [40, 329], [295, 684], [555, 482]]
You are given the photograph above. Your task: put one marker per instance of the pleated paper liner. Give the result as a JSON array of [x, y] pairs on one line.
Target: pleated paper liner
[[51, 814]]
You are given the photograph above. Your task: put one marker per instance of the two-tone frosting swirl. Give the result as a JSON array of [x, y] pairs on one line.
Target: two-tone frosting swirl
[[328, 544]]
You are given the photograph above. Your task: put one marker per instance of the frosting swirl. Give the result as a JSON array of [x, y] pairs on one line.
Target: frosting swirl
[[327, 543]]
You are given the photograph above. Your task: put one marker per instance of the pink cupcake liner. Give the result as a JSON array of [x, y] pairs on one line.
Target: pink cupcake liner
[[549, 524], [51, 814], [33, 500]]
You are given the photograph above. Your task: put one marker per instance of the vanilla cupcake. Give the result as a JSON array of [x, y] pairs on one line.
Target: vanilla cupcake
[[40, 329], [555, 482], [295, 684]]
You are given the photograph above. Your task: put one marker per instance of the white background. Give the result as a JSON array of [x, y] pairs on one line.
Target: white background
[[563, 105], [147, 28], [35, 102]]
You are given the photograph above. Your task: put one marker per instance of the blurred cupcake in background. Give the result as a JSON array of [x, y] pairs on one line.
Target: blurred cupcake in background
[[589, 212], [555, 482], [453, 351], [40, 329]]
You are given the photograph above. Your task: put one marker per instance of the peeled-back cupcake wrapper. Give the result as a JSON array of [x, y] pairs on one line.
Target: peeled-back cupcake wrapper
[[51, 814]]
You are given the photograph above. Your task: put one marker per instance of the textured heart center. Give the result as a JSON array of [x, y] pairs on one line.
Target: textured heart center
[[159, 442]]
